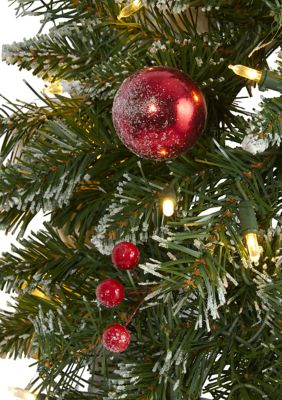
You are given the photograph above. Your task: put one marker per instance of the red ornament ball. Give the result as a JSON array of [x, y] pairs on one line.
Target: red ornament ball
[[110, 293], [159, 112], [125, 255], [116, 338]]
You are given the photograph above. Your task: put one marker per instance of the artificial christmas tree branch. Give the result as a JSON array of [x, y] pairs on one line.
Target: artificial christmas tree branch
[[201, 315]]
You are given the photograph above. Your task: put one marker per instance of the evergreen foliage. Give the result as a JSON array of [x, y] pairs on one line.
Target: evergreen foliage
[[205, 318]]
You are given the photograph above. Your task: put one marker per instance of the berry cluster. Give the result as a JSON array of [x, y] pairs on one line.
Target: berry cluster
[[110, 293]]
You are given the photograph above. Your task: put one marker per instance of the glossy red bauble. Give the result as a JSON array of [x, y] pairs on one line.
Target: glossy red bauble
[[110, 293], [116, 338], [159, 112], [125, 255]]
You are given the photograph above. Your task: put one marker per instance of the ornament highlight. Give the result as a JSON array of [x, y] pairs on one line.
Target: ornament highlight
[[116, 338], [159, 112], [125, 255], [110, 293]]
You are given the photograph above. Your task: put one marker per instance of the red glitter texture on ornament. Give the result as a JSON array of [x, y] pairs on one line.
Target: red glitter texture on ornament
[[110, 293], [125, 255], [116, 338], [159, 112]]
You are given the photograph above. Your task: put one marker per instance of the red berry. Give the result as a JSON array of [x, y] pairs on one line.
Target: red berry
[[125, 255], [116, 338], [110, 293]]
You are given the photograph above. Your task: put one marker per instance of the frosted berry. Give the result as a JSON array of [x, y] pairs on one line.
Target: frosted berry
[[116, 338], [159, 112], [125, 255], [110, 293]]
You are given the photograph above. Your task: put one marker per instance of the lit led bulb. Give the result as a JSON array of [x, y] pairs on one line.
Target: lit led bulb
[[40, 294], [249, 229], [253, 246], [246, 72], [17, 393], [168, 206], [54, 88], [130, 9], [266, 79], [36, 292]]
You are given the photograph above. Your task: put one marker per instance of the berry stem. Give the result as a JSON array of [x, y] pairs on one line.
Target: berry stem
[[134, 292], [136, 275], [134, 312]]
